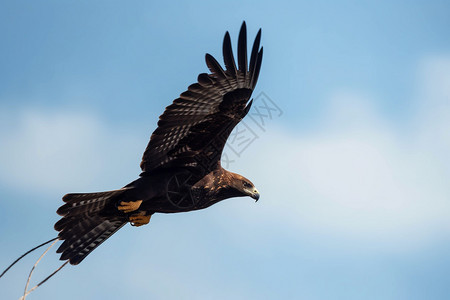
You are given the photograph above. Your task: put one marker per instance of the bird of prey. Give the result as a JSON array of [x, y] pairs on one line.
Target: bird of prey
[[181, 169]]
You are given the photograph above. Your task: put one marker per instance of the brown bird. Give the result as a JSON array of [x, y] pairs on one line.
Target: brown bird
[[181, 168]]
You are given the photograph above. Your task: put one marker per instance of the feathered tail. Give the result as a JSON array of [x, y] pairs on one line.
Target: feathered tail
[[86, 222]]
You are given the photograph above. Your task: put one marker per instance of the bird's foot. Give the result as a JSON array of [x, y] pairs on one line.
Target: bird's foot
[[128, 207], [139, 220]]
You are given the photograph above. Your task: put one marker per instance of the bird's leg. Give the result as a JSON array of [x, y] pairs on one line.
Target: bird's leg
[[128, 207], [139, 219]]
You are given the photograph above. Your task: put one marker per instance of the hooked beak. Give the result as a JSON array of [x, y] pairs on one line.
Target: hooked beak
[[255, 195]]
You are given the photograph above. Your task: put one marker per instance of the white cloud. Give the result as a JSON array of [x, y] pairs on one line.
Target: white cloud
[[433, 112], [62, 151]]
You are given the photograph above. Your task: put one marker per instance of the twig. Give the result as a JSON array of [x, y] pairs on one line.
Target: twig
[[42, 282], [26, 254], [32, 269]]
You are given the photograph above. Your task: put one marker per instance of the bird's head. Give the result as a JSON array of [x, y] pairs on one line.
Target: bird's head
[[244, 186]]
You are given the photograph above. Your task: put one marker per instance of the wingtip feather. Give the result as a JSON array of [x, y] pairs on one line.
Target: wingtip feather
[[257, 68], [228, 54], [242, 49], [214, 66], [255, 49]]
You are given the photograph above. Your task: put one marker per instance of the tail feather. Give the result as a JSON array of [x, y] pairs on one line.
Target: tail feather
[[87, 202], [76, 229], [78, 246], [66, 222], [112, 227], [85, 225]]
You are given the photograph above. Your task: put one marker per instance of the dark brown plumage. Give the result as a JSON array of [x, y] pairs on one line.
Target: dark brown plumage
[[181, 168]]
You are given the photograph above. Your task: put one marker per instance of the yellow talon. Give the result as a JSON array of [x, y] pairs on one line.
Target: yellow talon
[[139, 220], [128, 207]]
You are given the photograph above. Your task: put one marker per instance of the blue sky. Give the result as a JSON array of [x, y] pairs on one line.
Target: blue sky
[[353, 169]]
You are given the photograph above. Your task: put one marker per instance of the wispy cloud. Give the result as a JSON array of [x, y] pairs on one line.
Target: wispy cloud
[[61, 150]]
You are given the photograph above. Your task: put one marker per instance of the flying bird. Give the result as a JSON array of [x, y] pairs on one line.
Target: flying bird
[[181, 169]]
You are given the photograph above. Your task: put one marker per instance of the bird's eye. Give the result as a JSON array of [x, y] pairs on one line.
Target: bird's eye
[[247, 185]]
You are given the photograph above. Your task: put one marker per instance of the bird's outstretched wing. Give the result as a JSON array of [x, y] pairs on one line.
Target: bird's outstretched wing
[[193, 130]]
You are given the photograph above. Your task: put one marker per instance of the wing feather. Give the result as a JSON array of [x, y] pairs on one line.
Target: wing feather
[[254, 54], [194, 128], [228, 57], [215, 67], [257, 68], [242, 50]]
